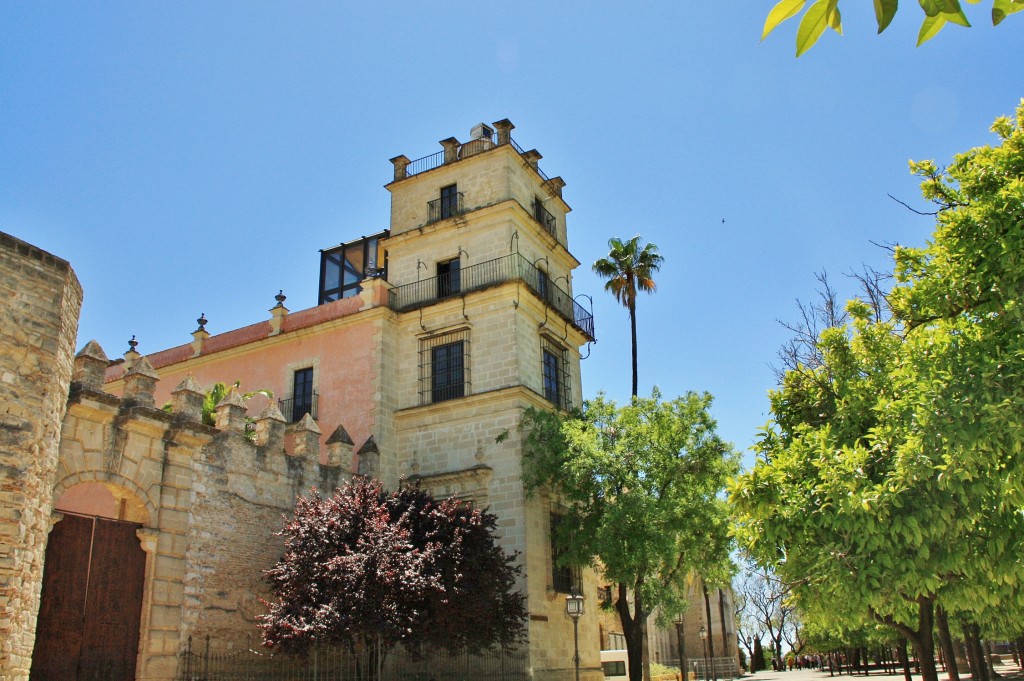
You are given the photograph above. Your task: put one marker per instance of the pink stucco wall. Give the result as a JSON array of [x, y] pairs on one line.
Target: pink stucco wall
[[343, 353]]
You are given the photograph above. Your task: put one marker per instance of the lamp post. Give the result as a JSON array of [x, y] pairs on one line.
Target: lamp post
[[704, 640], [679, 640], [574, 609]]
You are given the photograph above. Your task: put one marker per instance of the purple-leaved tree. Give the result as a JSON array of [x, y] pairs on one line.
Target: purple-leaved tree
[[371, 569]]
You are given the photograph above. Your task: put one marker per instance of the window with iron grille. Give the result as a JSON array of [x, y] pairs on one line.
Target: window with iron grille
[[444, 367], [555, 372], [563, 578]]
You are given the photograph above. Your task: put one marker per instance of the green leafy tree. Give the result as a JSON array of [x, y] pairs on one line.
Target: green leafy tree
[[823, 14], [641, 484], [891, 481], [629, 268]]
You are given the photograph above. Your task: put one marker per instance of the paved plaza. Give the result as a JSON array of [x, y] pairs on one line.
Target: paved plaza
[[1008, 671]]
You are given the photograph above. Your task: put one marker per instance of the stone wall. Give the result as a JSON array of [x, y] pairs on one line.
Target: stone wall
[[209, 499], [38, 323]]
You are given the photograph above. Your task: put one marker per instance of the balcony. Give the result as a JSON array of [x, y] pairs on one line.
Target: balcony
[[493, 273], [294, 408], [445, 207]]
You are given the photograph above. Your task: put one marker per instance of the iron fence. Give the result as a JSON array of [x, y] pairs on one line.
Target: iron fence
[[491, 273], [339, 663], [444, 207], [294, 408], [436, 160], [709, 669]]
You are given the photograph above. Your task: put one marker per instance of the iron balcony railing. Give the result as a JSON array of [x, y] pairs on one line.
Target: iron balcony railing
[[444, 207], [546, 219], [436, 160], [294, 408], [492, 273]]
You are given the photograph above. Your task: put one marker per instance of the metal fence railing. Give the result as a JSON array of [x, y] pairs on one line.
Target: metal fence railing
[[294, 408], [491, 273], [710, 669], [338, 663], [470, 148]]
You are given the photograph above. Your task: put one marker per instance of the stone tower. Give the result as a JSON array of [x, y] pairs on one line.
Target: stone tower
[[486, 326], [38, 324]]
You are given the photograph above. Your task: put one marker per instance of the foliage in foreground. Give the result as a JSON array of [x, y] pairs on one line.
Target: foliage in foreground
[[371, 569], [640, 485], [891, 481], [824, 14]]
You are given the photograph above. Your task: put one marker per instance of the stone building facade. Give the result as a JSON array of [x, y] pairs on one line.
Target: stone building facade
[[430, 339]]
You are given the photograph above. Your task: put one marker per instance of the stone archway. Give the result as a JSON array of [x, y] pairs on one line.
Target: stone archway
[[93, 578]]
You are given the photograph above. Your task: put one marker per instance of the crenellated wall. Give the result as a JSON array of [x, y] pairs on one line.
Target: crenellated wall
[[41, 299], [209, 499]]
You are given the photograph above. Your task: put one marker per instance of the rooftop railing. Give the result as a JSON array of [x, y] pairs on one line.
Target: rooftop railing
[[492, 273], [466, 149]]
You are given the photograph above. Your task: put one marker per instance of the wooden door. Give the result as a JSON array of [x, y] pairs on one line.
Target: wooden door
[[88, 627]]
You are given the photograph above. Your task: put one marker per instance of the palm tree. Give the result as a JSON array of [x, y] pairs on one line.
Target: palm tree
[[628, 269]]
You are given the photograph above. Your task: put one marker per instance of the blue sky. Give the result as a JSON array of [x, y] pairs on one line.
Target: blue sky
[[192, 157]]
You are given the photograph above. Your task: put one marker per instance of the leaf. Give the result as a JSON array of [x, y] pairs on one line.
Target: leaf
[[835, 21], [932, 8], [1004, 8], [812, 25], [930, 28], [954, 13], [885, 10], [782, 11], [958, 18]]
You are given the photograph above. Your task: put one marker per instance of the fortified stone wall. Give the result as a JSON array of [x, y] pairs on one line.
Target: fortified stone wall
[[209, 499], [243, 488], [41, 300]]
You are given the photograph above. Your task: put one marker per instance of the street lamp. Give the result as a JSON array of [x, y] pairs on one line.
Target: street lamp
[[679, 640], [704, 640], [574, 609]]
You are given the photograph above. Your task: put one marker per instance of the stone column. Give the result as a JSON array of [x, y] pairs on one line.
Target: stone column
[[401, 163], [140, 384], [187, 399], [270, 425], [90, 364], [306, 438], [38, 323], [451, 149], [339, 447], [504, 128], [231, 412]]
